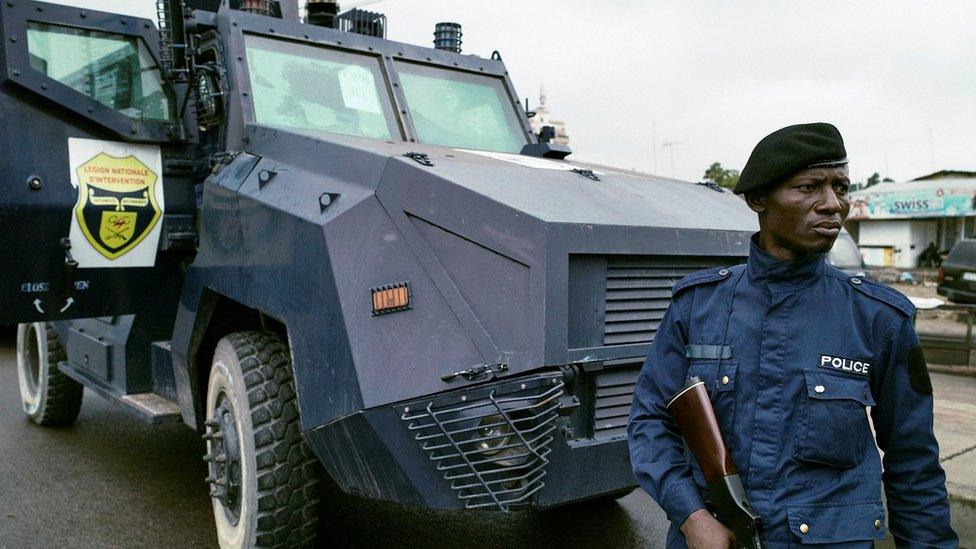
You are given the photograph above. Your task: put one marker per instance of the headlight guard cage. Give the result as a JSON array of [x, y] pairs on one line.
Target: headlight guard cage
[[451, 430]]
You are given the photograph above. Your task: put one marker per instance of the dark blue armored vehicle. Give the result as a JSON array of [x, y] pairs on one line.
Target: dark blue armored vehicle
[[331, 254]]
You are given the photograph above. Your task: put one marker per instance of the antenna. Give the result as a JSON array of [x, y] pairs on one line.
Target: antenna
[[654, 143], [669, 145]]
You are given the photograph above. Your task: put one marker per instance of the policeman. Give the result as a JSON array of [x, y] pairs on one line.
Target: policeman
[[794, 352]]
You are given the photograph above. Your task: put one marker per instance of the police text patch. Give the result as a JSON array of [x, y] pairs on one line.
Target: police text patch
[[848, 365]]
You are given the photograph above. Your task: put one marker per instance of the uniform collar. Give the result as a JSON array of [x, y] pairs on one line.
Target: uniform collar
[[782, 275]]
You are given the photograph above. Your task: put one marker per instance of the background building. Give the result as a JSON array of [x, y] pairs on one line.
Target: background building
[[894, 222], [543, 118]]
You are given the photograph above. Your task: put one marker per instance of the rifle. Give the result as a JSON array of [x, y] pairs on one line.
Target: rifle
[[726, 497]]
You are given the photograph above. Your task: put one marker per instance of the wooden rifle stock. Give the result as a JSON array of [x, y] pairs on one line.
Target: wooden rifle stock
[[692, 410]]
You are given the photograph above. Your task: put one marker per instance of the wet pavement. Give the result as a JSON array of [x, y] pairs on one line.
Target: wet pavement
[[111, 481]]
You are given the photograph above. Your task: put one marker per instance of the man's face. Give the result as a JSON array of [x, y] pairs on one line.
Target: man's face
[[804, 214]]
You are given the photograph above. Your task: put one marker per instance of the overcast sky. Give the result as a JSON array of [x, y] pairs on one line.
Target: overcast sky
[[717, 76]]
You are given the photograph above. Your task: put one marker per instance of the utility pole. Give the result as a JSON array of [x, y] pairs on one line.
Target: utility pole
[[669, 145], [654, 144], [932, 149]]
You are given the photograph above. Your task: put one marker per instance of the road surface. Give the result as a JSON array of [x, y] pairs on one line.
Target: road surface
[[111, 481]]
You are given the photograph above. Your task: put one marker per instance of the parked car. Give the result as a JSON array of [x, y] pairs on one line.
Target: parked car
[[846, 256], [957, 275]]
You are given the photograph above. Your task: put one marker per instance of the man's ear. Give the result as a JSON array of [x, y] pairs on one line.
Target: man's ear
[[756, 201]]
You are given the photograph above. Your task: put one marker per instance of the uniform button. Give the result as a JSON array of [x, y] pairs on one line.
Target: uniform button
[[725, 380], [819, 389], [723, 272], [804, 528], [855, 280], [877, 524]]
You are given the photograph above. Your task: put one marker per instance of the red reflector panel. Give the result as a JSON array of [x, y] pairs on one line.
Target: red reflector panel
[[391, 298]]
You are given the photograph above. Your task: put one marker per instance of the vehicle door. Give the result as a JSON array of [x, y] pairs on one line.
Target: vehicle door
[[86, 117]]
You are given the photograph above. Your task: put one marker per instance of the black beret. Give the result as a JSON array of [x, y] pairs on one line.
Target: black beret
[[789, 150]]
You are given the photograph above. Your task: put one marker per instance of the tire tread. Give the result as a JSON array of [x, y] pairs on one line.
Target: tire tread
[[63, 401], [287, 514]]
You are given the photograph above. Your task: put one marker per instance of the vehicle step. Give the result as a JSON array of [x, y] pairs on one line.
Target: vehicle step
[[157, 407], [149, 407]]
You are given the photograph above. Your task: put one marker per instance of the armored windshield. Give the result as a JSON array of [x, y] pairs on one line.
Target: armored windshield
[[115, 70], [314, 89], [460, 109]]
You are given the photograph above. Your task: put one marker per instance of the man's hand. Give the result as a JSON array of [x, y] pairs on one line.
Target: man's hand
[[702, 531]]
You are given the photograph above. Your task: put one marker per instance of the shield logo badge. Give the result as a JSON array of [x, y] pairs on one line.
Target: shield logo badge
[[116, 203]]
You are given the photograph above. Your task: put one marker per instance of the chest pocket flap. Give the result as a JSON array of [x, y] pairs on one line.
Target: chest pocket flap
[[824, 386], [718, 378]]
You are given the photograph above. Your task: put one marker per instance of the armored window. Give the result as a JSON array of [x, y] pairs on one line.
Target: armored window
[[459, 109], [115, 70], [314, 89]]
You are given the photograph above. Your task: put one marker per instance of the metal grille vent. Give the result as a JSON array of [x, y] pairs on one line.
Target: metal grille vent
[[639, 291], [361, 22], [614, 390], [492, 444]]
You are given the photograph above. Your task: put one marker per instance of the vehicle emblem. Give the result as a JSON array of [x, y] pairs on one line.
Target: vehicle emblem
[[116, 203]]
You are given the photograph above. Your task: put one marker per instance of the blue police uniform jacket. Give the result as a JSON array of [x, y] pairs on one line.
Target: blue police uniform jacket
[[794, 353]]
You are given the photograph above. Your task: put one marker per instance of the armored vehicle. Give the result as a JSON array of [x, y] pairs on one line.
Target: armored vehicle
[[332, 254]]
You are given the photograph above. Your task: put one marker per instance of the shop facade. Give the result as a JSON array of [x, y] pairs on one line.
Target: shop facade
[[894, 223]]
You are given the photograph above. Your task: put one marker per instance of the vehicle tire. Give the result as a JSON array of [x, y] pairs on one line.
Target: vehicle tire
[[264, 480], [48, 396]]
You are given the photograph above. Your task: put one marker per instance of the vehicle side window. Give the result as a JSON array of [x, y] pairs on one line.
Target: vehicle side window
[[115, 70], [963, 252]]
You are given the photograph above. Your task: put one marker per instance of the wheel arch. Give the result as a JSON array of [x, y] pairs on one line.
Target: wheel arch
[[217, 315]]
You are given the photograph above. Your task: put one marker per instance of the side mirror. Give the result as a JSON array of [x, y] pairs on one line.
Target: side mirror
[[547, 134], [547, 150]]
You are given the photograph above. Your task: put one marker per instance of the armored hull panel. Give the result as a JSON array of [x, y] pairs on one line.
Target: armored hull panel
[[534, 293], [465, 327]]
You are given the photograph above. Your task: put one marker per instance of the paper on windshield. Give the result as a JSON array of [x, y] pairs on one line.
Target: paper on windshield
[[359, 89]]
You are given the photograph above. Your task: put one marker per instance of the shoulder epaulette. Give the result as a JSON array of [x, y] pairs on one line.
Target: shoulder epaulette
[[884, 294], [701, 277]]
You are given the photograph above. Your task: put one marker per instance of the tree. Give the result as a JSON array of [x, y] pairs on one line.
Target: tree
[[873, 180], [724, 177]]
